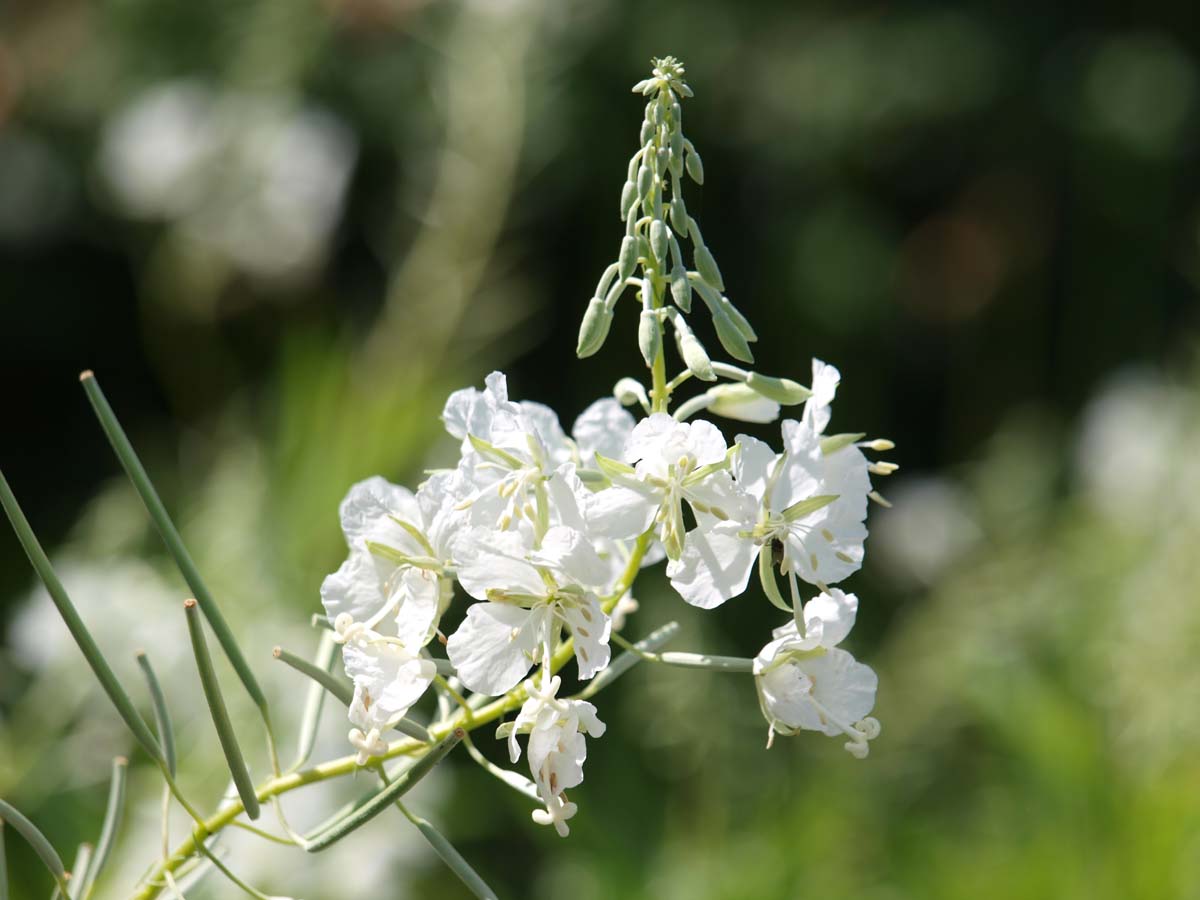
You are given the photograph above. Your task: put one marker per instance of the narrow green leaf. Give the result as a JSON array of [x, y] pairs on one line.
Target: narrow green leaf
[[38, 842], [162, 718], [220, 714], [314, 703], [83, 859], [340, 689], [450, 856], [384, 798], [802, 508], [83, 638], [835, 442], [108, 831], [170, 535]]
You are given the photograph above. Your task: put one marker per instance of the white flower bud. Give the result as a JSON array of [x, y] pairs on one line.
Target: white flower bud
[[737, 401], [629, 391], [628, 196], [679, 214], [681, 288], [650, 336], [647, 132], [627, 260], [594, 328], [781, 390], [707, 267], [692, 351], [658, 241], [643, 86], [742, 323], [695, 168], [645, 180]]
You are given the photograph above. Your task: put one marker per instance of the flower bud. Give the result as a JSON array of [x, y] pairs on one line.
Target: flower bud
[[629, 391], [628, 195], [650, 336], [647, 132], [731, 339], [781, 390], [693, 352], [645, 181], [679, 216], [695, 168], [594, 328], [658, 241], [742, 323], [681, 288], [627, 260], [643, 86], [737, 401], [707, 267]]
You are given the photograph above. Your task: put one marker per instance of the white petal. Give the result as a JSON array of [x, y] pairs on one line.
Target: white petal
[[825, 379], [753, 464], [715, 566], [570, 553], [490, 559], [590, 628], [419, 610], [604, 428], [844, 686], [492, 649], [619, 512], [835, 612], [544, 423], [388, 680], [356, 587], [647, 438], [366, 514], [470, 411], [706, 442]]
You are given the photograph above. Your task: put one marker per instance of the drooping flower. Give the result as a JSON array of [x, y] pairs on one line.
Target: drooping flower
[[806, 682], [388, 680]]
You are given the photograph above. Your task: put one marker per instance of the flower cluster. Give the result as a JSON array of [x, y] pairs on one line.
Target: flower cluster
[[544, 532]]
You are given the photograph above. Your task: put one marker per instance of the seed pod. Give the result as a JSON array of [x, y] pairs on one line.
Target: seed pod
[[679, 214], [645, 181], [594, 328], [627, 261], [681, 288], [742, 323], [781, 390], [695, 168], [658, 242], [707, 267], [628, 196], [650, 336]]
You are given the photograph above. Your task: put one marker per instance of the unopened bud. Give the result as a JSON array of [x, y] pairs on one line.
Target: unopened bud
[[647, 132], [627, 260], [681, 288], [628, 195], [695, 167], [679, 214], [629, 391], [736, 401], [643, 86], [645, 180], [594, 328], [650, 336], [731, 338], [707, 267], [693, 353], [781, 390], [658, 241], [742, 323]]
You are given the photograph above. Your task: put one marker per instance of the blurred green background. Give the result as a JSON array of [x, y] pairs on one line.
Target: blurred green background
[[282, 231]]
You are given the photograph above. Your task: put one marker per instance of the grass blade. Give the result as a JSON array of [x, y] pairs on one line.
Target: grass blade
[[220, 714], [162, 718], [170, 535], [108, 832], [83, 638], [315, 701], [450, 856], [384, 798], [38, 842]]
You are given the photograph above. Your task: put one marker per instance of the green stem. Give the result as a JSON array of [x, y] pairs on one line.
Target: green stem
[[347, 765]]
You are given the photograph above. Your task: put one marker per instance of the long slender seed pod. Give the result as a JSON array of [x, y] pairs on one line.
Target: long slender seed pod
[[220, 714], [162, 718], [627, 660], [70, 616], [314, 703], [108, 831], [384, 798], [450, 856], [340, 689], [38, 842], [170, 535]]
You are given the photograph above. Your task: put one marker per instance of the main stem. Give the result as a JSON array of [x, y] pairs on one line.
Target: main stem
[[466, 719]]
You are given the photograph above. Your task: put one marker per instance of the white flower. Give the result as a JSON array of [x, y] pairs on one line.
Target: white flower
[[557, 748], [390, 582], [808, 507], [604, 427], [529, 594], [806, 682], [388, 680]]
